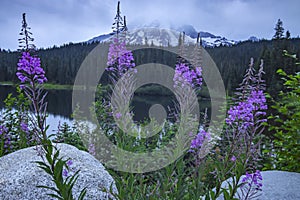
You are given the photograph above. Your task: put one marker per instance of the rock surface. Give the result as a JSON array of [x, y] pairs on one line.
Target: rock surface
[[19, 175], [278, 185]]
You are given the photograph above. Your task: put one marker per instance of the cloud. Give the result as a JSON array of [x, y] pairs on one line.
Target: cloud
[[55, 22]]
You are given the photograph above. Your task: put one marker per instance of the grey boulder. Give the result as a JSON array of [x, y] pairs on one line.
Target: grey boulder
[[277, 185], [19, 175]]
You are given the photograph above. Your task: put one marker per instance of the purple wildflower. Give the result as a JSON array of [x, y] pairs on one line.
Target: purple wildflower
[[254, 179], [24, 127], [184, 75], [233, 158], [3, 129], [29, 69], [7, 142], [69, 162], [199, 139], [5, 137], [120, 60], [118, 115], [258, 99], [65, 172], [243, 113]]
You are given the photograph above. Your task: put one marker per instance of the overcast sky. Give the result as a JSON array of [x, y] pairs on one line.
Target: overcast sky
[[55, 22]]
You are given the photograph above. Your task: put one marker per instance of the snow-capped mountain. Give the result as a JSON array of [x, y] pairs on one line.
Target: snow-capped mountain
[[208, 39], [149, 36], [154, 35]]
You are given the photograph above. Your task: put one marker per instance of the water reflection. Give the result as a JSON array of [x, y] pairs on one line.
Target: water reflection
[[59, 101], [60, 105], [53, 121], [142, 104]]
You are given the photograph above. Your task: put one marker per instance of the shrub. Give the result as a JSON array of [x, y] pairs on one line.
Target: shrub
[[286, 124]]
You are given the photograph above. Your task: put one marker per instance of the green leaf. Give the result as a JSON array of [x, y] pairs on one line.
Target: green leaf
[[281, 72], [226, 194], [82, 194], [212, 195], [47, 187], [46, 169], [55, 196], [41, 163], [230, 188], [55, 157], [73, 178], [58, 170]]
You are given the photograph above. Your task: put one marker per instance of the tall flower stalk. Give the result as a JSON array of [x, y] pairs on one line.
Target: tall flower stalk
[[25, 42], [245, 123], [120, 60], [32, 77], [245, 118]]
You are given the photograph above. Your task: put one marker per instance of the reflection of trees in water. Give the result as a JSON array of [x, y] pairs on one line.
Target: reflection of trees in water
[[142, 104], [59, 101]]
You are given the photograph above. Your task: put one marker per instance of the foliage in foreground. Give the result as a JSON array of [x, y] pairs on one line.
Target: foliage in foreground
[[286, 124]]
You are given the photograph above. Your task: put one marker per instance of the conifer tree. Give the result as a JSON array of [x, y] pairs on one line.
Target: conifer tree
[[287, 35], [279, 30]]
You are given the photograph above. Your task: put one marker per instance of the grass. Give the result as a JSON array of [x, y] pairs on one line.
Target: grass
[[47, 86], [51, 86], [6, 83]]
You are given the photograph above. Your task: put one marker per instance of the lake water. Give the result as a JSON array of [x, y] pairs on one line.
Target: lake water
[[60, 105]]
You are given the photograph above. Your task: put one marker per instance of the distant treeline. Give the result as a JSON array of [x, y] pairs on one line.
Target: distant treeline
[[62, 63]]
